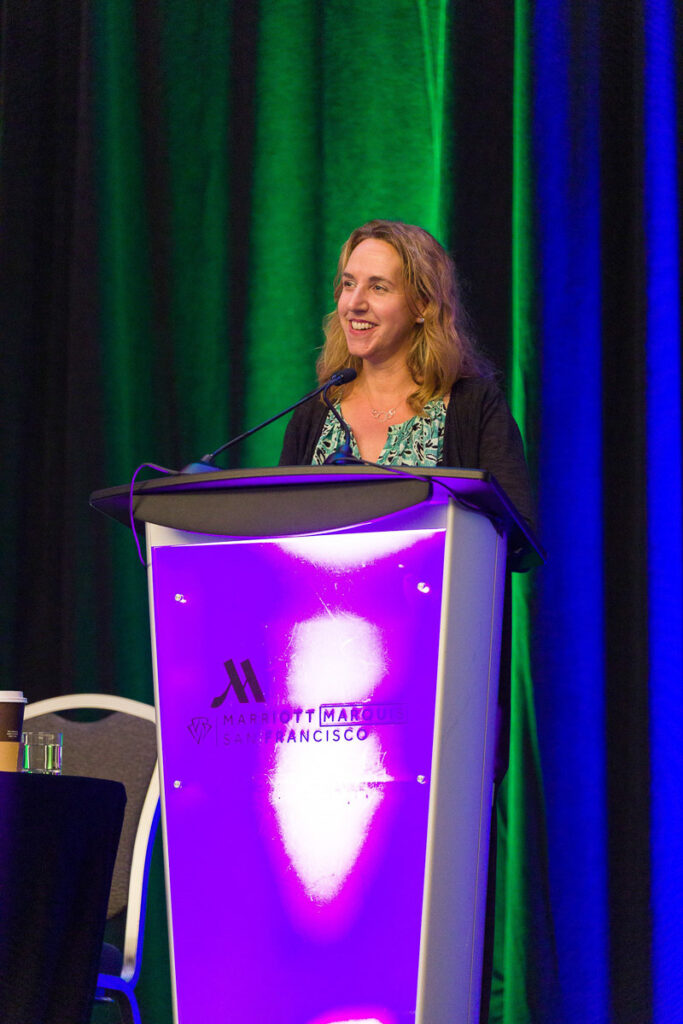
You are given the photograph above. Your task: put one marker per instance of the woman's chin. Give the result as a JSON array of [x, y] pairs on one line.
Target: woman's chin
[[358, 349]]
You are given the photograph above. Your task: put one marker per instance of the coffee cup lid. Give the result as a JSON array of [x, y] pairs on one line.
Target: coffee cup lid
[[12, 695]]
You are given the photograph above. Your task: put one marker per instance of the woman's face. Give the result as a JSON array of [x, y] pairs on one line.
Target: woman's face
[[372, 306]]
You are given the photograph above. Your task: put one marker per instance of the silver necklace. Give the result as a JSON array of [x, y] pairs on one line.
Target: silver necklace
[[383, 417]]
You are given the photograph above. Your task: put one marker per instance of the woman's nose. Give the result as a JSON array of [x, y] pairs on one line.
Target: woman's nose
[[358, 298]]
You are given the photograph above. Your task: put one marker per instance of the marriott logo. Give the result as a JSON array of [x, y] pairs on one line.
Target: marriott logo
[[240, 685]]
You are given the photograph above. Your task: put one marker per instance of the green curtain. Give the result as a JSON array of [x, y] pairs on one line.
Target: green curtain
[[350, 113], [216, 155]]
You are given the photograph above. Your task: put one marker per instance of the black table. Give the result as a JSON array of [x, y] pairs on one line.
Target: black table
[[58, 842]]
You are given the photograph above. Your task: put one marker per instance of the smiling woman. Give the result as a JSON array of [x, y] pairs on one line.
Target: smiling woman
[[423, 395]]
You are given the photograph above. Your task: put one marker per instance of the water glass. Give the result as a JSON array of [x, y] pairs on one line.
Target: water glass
[[41, 752]]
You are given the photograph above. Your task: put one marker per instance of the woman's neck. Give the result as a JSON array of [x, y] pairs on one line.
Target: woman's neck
[[385, 383]]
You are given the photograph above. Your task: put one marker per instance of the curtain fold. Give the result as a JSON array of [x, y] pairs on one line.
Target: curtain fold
[[570, 660], [664, 494]]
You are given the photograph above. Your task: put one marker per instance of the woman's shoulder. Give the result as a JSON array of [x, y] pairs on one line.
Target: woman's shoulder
[[309, 411], [476, 389], [473, 400], [302, 432]]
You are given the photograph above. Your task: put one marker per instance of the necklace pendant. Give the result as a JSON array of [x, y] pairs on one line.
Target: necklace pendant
[[383, 417]]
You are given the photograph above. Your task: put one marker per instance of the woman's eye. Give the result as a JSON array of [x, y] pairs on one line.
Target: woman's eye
[[380, 288]]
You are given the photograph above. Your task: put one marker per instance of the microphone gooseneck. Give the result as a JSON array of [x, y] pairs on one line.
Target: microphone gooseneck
[[343, 456], [207, 462]]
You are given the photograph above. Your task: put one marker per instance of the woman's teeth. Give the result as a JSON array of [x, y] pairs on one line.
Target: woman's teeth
[[361, 325]]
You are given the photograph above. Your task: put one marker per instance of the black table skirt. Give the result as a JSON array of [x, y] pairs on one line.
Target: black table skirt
[[58, 842]]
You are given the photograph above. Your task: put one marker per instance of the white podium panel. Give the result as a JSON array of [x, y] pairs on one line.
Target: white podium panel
[[325, 855]]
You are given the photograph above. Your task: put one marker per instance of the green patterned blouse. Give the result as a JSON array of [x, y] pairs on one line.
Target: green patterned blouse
[[416, 442]]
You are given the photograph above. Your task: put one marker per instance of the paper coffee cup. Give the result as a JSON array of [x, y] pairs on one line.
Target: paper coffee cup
[[11, 722]]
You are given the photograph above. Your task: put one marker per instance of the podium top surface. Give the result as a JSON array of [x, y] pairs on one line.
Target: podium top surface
[[286, 500]]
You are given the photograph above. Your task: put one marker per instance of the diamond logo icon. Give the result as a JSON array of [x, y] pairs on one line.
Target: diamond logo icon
[[199, 728]]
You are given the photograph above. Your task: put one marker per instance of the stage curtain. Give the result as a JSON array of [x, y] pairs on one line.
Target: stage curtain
[[176, 179]]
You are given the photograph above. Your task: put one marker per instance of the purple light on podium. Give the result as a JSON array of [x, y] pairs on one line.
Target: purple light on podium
[[296, 824], [325, 798], [351, 1017]]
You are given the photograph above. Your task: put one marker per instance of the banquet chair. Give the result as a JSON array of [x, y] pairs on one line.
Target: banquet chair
[[120, 746]]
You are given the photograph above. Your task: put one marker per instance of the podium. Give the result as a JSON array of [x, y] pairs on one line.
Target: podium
[[326, 645]]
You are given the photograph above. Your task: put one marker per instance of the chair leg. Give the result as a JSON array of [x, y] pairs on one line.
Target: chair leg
[[129, 1010]]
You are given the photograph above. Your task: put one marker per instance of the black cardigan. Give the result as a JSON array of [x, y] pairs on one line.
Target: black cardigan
[[480, 433]]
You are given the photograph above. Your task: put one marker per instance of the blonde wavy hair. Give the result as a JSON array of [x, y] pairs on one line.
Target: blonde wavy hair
[[442, 348]]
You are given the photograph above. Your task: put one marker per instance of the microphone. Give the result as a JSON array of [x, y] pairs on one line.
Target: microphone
[[206, 463], [344, 376], [343, 456]]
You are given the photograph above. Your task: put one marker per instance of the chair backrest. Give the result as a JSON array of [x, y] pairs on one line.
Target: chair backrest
[[120, 746]]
